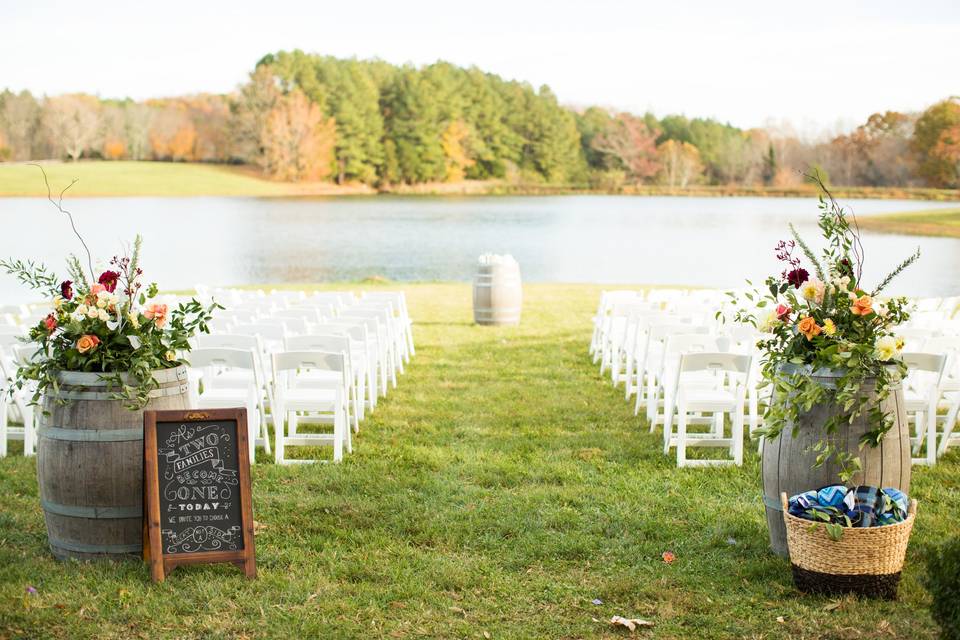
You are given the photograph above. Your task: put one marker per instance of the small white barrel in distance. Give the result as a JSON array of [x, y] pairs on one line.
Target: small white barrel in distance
[[497, 293]]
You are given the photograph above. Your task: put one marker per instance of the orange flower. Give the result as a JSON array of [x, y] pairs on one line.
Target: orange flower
[[87, 343], [50, 323], [157, 313], [862, 306], [808, 327]]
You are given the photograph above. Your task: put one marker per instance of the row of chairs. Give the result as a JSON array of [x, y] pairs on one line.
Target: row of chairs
[[679, 353], [293, 359]]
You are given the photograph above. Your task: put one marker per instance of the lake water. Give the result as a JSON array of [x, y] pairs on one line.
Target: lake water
[[713, 242]]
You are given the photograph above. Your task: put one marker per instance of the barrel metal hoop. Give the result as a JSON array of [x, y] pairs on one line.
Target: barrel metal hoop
[[772, 504], [99, 395], [99, 513], [91, 435], [81, 547]]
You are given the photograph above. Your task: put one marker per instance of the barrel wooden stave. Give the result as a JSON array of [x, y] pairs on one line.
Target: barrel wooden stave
[[788, 465], [90, 465], [497, 294]]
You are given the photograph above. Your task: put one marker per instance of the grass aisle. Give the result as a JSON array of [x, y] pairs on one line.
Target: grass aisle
[[499, 490]]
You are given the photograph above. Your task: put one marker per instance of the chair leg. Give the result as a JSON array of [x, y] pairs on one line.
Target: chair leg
[[932, 433], [918, 431], [948, 426], [30, 433], [681, 435], [3, 424], [737, 433], [278, 417]]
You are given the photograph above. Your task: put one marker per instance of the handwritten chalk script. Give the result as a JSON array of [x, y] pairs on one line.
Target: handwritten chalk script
[[198, 470]]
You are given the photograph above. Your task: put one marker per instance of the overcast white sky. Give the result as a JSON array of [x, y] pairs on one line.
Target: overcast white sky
[[820, 65]]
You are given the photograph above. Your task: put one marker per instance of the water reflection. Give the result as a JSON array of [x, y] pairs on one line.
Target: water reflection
[[697, 241]]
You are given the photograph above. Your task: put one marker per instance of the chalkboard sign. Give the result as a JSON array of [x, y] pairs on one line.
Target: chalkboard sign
[[197, 489]]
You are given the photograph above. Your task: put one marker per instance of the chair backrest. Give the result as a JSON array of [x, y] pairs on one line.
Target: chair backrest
[[681, 343], [223, 357], [356, 331], [249, 342], [266, 330], [286, 364], [312, 342], [924, 370], [715, 361], [293, 322]]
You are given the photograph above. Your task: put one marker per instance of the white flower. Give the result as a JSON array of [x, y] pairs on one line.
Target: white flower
[[769, 322], [81, 310], [76, 315], [812, 290], [103, 315], [882, 310], [93, 312], [101, 303], [886, 348]]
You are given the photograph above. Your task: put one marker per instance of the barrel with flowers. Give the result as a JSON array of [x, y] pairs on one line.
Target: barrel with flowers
[[832, 358], [105, 353]]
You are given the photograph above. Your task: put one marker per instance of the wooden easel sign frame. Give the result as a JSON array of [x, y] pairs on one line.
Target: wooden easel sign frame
[[197, 504]]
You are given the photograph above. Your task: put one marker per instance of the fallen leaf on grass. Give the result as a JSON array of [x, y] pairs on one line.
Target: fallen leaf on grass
[[668, 556], [486, 635], [258, 527], [458, 610], [630, 623], [596, 601], [833, 606], [780, 619]]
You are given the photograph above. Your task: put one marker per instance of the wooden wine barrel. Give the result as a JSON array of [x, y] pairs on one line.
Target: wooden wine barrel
[[90, 464], [497, 294], [788, 461]]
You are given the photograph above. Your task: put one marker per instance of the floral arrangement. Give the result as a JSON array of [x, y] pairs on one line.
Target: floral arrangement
[[828, 322], [106, 323]]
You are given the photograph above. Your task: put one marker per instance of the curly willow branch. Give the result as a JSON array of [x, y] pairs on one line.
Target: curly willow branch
[[59, 206]]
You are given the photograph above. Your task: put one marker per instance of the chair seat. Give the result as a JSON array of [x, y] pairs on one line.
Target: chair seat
[[695, 399], [309, 399]]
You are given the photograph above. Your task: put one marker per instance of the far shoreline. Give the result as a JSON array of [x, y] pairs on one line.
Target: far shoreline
[[102, 179]]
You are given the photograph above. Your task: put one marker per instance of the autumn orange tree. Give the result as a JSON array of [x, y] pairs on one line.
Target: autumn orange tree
[[298, 141], [934, 140], [628, 139]]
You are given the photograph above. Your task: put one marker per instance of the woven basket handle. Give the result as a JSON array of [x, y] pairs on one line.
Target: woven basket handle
[[783, 501]]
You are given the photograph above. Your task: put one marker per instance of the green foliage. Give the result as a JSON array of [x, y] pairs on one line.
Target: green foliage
[[389, 120], [34, 275], [943, 582], [828, 326]]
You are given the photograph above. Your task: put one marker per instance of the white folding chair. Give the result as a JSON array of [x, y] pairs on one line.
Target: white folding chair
[[921, 392], [677, 345], [949, 405], [216, 363], [725, 396], [333, 344], [322, 401], [363, 355]]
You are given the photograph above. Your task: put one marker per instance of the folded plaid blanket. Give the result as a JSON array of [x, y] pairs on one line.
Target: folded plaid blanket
[[862, 506]]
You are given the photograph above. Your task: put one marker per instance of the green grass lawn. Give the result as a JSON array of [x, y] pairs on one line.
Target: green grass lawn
[[495, 493], [125, 178], [938, 222]]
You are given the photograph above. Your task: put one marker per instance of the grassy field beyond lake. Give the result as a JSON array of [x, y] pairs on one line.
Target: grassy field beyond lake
[[944, 222], [499, 491]]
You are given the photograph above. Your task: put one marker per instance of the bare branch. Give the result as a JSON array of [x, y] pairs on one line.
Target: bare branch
[[59, 206]]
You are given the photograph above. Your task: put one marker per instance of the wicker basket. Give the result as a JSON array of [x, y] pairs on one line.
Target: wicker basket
[[866, 561]]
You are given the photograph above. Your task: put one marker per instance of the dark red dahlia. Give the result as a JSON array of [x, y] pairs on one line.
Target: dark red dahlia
[[66, 289], [797, 277], [109, 280]]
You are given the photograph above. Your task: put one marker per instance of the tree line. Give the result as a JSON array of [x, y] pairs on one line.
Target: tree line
[[310, 117]]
